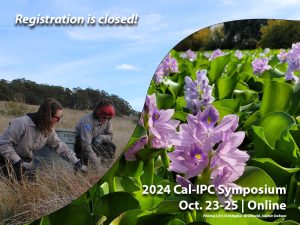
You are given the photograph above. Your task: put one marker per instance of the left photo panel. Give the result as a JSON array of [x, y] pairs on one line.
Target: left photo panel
[[62, 122]]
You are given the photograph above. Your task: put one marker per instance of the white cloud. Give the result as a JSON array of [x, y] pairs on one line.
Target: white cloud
[[149, 25], [128, 67]]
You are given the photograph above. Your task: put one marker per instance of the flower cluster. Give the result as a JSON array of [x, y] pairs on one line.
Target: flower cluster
[[167, 66], [260, 65], [216, 53], [238, 54], [293, 60], [161, 128], [209, 150], [198, 93], [282, 55], [189, 54]]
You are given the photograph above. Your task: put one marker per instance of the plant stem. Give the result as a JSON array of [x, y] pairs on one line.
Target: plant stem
[[112, 184], [188, 217], [165, 158], [149, 171]]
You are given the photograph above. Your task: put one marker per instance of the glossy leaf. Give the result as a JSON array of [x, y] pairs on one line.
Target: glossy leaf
[[277, 96]]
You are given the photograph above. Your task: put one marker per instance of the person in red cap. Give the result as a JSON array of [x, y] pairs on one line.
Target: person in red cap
[[94, 135]]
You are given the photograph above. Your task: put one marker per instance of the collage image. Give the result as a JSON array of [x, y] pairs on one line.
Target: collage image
[[210, 136]]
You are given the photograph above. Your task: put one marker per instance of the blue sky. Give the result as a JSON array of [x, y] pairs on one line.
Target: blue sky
[[119, 60]]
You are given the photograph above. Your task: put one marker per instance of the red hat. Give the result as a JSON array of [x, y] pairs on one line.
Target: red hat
[[108, 110]]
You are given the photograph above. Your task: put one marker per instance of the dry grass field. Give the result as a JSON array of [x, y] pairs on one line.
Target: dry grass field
[[56, 185]]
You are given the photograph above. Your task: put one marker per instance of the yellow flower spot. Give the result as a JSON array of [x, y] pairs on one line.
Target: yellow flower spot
[[198, 156]]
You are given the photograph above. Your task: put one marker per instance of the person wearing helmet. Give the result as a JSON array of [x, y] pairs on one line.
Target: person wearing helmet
[[94, 135]]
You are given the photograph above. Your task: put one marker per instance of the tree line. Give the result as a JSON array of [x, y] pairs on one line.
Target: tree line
[[244, 34], [29, 92]]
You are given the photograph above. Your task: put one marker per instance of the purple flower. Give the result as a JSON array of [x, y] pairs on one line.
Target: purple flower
[[203, 128], [205, 146], [238, 54], [229, 162], [189, 160], [137, 146], [149, 106], [183, 181], [161, 127], [282, 55], [293, 60], [167, 66], [228, 154], [198, 93], [189, 54], [291, 76], [267, 50], [206, 54], [216, 53], [260, 65]]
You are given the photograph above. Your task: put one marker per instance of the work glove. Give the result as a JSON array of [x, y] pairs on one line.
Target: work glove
[[18, 169], [79, 167], [28, 166], [24, 169]]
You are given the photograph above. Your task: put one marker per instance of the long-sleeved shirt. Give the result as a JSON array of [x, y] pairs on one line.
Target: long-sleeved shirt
[[22, 138], [89, 129]]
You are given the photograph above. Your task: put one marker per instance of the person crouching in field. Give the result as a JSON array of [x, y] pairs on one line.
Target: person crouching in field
[[94, 135], [30, 133]]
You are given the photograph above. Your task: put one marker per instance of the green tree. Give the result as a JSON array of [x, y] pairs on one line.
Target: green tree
[[242, 34], [279, 34]]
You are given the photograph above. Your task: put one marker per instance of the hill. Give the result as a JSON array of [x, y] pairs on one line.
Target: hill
[[29, 92]]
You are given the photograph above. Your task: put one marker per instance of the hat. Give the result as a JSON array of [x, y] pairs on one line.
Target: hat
[[108, 110]]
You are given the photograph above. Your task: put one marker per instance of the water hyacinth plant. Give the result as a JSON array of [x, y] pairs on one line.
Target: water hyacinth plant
[[260, 65], [198, 93], [189, 54], [207, 150], [227, 118], [166, 67]]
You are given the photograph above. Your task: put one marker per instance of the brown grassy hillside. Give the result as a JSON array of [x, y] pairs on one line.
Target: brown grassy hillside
[[57, 184]]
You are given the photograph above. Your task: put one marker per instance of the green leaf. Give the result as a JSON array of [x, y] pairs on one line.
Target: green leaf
[[45, 221], [252, 119], [225, 86], [269, 133], [174, 87], [289, 222], [233, 104], [148, 153], [129, 184], [281, 175], [275, 124], [148, 201], [234, 218], [113, 204], [276, 96], [245, 96], [138, 133], [139, 217], [67, 213], [256, 177], [170, 207], [288, 147], [217, 67], [164, 101], [180, 116], [133, 168], [295, 104], [223, 111], [129, 217]]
